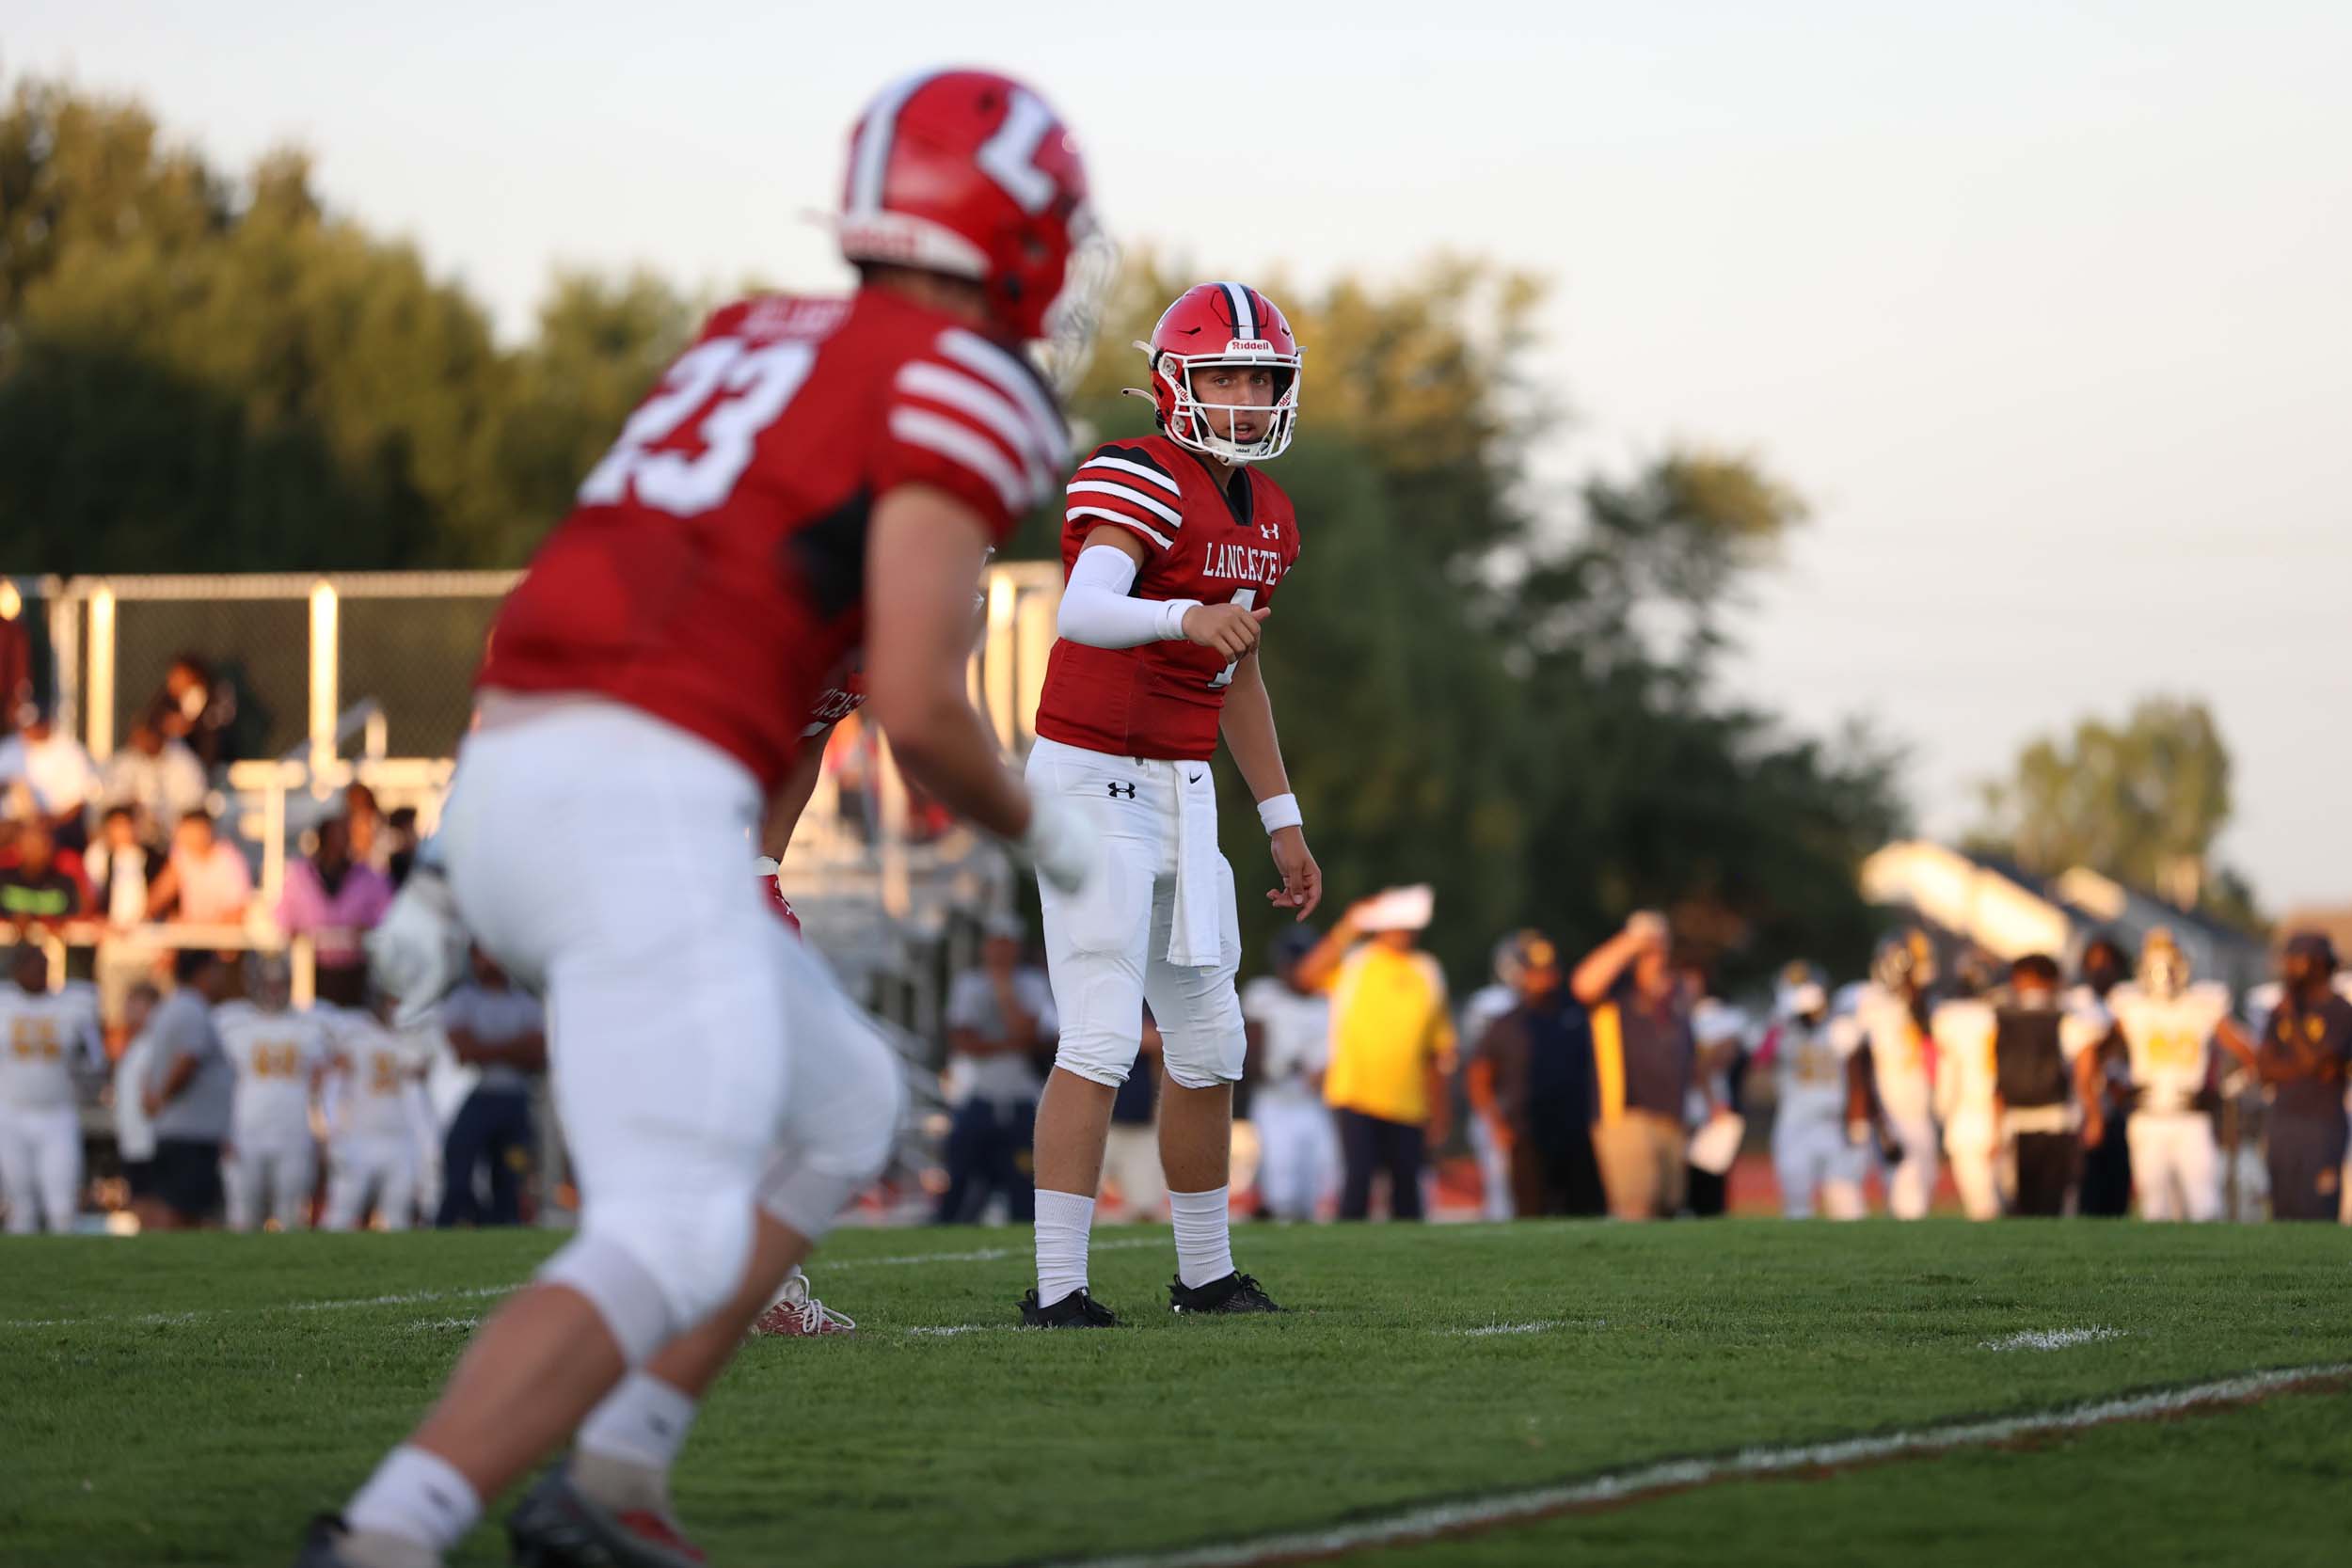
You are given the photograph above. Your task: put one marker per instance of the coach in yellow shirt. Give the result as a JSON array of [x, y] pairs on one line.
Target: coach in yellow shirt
[[1391, 1046]]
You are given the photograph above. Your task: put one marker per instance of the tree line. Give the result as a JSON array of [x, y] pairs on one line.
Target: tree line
[[1509, 694]]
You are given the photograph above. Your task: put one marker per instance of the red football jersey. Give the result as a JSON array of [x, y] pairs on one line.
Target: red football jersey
[[1204, 538], [713, 572]]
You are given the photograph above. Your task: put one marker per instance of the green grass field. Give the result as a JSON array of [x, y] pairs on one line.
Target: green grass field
[[191, 1400]]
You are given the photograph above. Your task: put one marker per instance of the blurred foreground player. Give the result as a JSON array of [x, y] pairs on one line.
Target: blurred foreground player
[[810, 477], [1173, 543]]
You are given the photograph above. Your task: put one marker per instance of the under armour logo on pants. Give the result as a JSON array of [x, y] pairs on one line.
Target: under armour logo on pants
[[1122, 791]]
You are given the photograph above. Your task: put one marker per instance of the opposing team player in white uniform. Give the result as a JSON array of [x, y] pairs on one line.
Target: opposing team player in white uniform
[[811, 477], [1966, 1098], [2171, 1028], [1891, 1010], [376, 1105], [1289, 1036], [280, 1055], [1173, 545], [48, 1039], [1819, 1165]]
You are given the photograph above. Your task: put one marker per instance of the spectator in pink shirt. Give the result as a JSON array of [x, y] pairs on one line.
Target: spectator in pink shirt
[[333, 899], [206, 882]]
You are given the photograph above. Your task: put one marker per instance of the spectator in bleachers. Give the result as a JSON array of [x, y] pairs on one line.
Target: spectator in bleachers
[[190, 1091], [502, 1032], [1541, 1056], [197, 707], [370, 840], [59, 770], [1643, 1059], [1000, 1018], [40, 881], [1392, 1047], [120, 868], [206, 882], [400, 824], [157, 777], [334, 899]]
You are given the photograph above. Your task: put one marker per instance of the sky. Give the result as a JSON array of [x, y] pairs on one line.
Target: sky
[[2043, 309]]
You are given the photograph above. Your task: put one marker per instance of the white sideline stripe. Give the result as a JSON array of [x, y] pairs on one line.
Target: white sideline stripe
[[1439, 1519], [1538, 1326], [484, 1292], [2050, 1338]]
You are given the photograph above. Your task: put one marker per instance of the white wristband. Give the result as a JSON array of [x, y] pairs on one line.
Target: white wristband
[[1279, 812], [1172, 619]]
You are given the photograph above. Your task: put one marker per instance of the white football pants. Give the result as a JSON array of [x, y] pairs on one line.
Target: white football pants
[[275, 1181], [1107, 946], [1298, 1155], [1973, 1144], [382, 1166], [1911, 1181], [40, 1167], [1817, 1169], [2176, 1166], [703, 1059]]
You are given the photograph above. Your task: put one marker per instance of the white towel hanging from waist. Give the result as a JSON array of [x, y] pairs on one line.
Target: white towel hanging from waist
[[1194, 938]]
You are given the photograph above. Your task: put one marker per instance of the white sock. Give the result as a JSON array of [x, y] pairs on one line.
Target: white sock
[[417, 1497], [643, 1421], [1204, 1236], [1064, 1220]]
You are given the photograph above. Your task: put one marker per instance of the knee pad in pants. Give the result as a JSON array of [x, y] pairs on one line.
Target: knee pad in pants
[[841, 1123]]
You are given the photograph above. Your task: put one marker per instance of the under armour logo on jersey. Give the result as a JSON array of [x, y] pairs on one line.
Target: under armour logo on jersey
[[1122, 791], [1270, 531]]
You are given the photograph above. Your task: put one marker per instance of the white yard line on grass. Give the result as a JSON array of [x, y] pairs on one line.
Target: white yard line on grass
[[1435, 1520], [2050, 1338], [483, 1292], [1536, 1327]]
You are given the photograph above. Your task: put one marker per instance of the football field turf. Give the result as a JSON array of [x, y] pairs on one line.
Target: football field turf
[[191, 1400]]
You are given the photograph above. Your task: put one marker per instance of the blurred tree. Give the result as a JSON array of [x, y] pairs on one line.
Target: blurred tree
[[1478, 685], [601, 343], [2142, 801]]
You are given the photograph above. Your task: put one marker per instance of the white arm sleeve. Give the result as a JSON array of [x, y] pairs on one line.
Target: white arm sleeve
[[1096, 611]]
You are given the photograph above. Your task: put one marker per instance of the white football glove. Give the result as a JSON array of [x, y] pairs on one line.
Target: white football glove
[[418, 951], [1061, 843]]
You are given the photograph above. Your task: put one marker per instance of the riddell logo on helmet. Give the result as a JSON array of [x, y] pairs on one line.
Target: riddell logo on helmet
[[1249, 346]]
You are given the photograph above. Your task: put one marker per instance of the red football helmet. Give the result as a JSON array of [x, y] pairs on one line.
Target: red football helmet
[[1223, 323], [971, 174]]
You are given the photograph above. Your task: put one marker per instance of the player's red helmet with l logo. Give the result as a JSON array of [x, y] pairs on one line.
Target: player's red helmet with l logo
[[971, 174], [1223, 323]]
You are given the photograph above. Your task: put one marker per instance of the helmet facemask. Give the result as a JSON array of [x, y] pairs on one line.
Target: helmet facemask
[[1072, 321], [1193, 423]]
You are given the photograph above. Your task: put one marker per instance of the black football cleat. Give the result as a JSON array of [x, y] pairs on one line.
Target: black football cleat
[[1235, 1292], [320, 1538], [1076, 1310], [558, 1526]]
